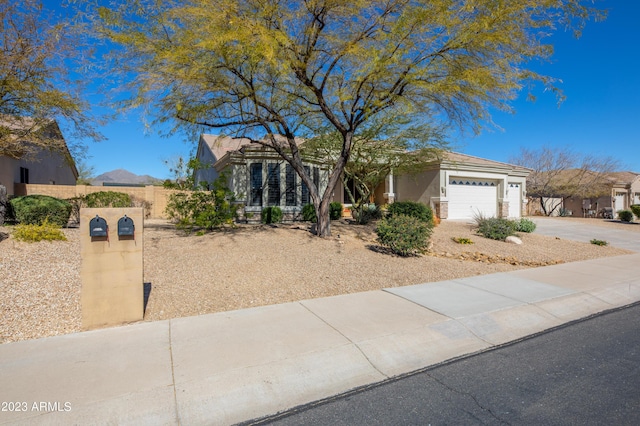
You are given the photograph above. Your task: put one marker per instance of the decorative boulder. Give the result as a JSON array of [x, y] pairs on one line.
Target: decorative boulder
[[513, 240]]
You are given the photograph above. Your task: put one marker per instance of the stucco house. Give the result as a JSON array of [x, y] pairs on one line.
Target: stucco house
[[40, 167], [460, 186], [622, 190], [455, 186], [257, 175]]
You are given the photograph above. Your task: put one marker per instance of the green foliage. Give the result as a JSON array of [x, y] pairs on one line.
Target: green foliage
[[420, 211], [496, 228], [33, 233], [625, 215], [461, 240], [203, 209], [525, 225], [599, 242], [309, 213], [635, 208], [35, 209], [335, 210], [271, 214], [404, 235], [365, 213], [107, 199]]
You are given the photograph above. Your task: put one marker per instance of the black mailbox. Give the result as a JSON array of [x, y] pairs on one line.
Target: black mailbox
[[98, 227], [125, 226]]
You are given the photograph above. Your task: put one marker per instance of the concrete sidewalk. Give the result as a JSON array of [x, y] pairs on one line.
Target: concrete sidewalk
[[234, 366]]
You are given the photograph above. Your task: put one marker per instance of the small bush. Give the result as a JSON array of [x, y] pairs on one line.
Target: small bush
[[309, 213], [404, 235], [525, 225], [420, 211], [35, 209], [599, 242], [635, 208], [335, 210], [625, 215], [496, 228], [107, 199], [272, 214], [365, 213], [33, 233], [461, 240]]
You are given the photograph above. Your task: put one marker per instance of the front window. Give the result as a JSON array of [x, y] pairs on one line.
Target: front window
[[256, 184], [273, 184], [290, 186], [305, 189]]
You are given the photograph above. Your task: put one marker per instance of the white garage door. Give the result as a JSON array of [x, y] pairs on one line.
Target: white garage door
[[514, 197], [468, 197]]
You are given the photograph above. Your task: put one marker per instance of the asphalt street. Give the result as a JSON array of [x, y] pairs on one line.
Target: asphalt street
[[587, 372]]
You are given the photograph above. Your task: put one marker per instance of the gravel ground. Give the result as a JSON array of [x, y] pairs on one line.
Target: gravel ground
[[251, 266]]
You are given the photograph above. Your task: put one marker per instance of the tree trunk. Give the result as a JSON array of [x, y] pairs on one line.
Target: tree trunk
[[324, 222]]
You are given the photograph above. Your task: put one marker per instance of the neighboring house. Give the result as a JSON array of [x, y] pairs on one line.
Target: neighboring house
[[460, 186], [622, 190], [42, 167], [257, 175]]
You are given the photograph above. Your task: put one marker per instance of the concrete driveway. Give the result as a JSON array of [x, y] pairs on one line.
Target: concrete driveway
[[581, 231]]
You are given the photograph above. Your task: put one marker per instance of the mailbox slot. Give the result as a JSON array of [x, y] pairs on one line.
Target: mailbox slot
[[126, 228], [98, 227]]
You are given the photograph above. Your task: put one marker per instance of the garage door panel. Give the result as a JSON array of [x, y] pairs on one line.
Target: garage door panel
[[468, 197]]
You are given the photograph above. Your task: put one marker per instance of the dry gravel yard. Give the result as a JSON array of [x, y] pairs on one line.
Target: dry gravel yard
[[251, 266]]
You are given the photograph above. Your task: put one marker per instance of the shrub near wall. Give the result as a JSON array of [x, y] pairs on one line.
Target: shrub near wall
[[35, 209], [420, 211]]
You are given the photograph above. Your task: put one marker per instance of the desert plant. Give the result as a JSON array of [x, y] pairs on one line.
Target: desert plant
[[525, 225], [271, 214], [34, 209], [420, 211], [309, 213], [335, 210], [404, 235], [461, 240], [496, 228], [107, 199], [365, 213], [599, 242], [203, 209], [45, 231], [625, 215], [635, 208]]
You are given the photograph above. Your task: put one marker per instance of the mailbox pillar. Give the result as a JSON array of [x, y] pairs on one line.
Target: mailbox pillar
[[112, 267]]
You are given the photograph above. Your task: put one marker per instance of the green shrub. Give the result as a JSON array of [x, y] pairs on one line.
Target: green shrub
[[43, 232], [635, 208], [599, 242], [625, 215], [272, 214], [404, 235], [107, 199], [34, 209], [335, 210], [525, 225], [496, 228], [365, 213], [461, 240], [309, 213], [420, 211], [203, 209]]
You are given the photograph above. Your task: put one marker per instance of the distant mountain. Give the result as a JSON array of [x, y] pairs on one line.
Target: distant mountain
[[125, 177]]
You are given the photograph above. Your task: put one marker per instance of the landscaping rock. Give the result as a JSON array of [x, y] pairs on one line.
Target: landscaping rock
[[513, 240]]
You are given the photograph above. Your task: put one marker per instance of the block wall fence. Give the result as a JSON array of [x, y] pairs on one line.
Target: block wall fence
[[156, 195]]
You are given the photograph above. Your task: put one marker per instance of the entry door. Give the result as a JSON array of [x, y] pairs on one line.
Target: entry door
[[514, 197]]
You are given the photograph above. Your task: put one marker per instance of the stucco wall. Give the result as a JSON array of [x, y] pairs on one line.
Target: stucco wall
[[46, 168], [419, 187]]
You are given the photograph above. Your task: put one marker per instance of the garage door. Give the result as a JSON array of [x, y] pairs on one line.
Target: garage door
[[468, 197], [514, 197]]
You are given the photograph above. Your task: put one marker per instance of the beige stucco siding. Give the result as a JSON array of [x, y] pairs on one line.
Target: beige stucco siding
[[419, 187], [46, 168]]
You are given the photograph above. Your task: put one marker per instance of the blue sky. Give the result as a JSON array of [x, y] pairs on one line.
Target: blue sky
[[600, 75]]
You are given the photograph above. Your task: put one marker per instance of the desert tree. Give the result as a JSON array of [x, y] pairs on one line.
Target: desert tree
[[251, 68], [37, 88], [559, 173]]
